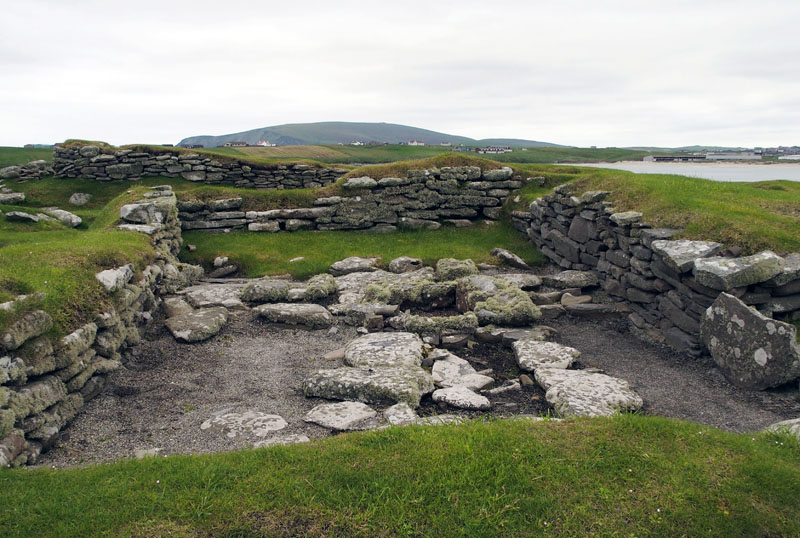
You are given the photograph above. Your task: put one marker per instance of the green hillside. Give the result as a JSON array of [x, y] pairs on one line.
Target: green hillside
[[341, 132], [10, 156]]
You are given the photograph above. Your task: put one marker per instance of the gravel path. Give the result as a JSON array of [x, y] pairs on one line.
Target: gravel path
[[167, 390]]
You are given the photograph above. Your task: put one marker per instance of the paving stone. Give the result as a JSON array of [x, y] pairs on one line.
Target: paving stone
[[311, 315], [386, 385], [343, 416], [533, 354], [198, 325], [461, 397], [249, 423]]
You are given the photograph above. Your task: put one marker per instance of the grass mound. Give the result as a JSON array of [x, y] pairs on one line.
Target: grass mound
[[628, 475], [401, 168]]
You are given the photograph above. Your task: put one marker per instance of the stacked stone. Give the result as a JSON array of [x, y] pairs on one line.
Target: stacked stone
[[44, 383], [108, 164], [24, 172], [668, 284], [423, 199]]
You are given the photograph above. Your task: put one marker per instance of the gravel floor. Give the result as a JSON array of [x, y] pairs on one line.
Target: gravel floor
[[167, 390]]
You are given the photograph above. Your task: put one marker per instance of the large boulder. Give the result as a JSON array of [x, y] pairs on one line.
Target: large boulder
[[728, 273], [752, 350], [310, 315], [198, 325]]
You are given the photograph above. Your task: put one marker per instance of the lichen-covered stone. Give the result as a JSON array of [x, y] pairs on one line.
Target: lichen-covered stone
[[465, 323], [12, 370], [400, 414], [452, 269], [509, 258], [344, 416], [206, 296], [416, 287], [572, 279], [384, 349], [266, 290], [363, 182], [625, 218], [115, 279], [30, 325], [461, 397], [175, 306], [679, 255], [495, 301], [310, 315], [532, 354], [198, 325], [74, 344], [591, 395], [250, 423], [320, 287], [37, 396], [752, 350], [524, 281], [405, 264], [37, 354], [728, 273], [791, 426], [383, 386], [353, 264]]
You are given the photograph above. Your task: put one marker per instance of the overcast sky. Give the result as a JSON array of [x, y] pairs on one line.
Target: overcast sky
[[605, 73]]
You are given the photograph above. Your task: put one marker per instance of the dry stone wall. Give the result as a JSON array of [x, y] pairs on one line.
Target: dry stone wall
[[422, 199], [108, 164], [44, 382], [668, 284]]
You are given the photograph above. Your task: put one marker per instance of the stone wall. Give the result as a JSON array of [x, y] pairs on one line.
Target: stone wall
[[667, 283], [27, 171], [422, 199], [45, 382], [108, 164]]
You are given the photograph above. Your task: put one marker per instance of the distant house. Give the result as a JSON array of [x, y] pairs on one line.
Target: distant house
[[446, 144], [265, 144], [462, 148], [235, 144], [494, 149], [356, 143], [191, 146], [415, 143]]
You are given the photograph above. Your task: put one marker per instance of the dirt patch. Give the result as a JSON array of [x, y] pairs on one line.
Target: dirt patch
[[167, 390]]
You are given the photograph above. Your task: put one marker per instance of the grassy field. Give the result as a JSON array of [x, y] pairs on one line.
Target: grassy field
[[754, 216], [624, 476], [269, 254], [10, 156]]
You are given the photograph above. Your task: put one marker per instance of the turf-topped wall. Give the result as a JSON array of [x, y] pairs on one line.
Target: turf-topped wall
[[105, 163], [667, 284], [422, 199], [45, 381]]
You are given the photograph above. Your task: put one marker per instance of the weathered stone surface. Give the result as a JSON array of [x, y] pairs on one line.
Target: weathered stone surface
[[208, 295], [70, 219], [269, 226], [626, 218], [352, 287], [791, 427], [791, 271], [114, 279], [495, 301], [572, 279], [466, 323], [384, 349], [752, 350], [400, 415], [386, 385], [500, 174], [249, 423], [266, 290], [227, 204], [21, 216], [509, 258], [532, 354], [37, 396], [728, 273], [575, 393], [319, 287], [145, 213], [363, 182], [30, 325], [198, 325], [405, 264], [353, 264], [12, 197], [310, 315], [287, 439], [450, 367], [452, 269], [344, 416], [461, 397], [524, 281], [679, 255], [80, 198]]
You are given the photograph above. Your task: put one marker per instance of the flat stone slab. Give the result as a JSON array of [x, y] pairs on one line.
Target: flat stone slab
[[450, 367], [626, 218], [679, 255], [384, 349], [572, 279], [310, 315], [352, 287], [728, 273], [532, 354], [114, 279], [791, 426], [207, 295], [400, 415], [70, 219], [474, 381], [383, 386], [353, 264], [524, 281], [248, 423], [198, 325], [509, 258], [791, 271], [575, 393], [266, 290], [440, 420], [344, 416], [752, 350], [461, 397], [452, 269]]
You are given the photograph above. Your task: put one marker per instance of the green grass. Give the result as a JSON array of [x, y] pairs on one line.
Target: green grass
[[625, 476], [269, 254], [10, 156], [753, 216]]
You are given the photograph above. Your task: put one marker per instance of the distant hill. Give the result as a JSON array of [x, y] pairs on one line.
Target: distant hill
[[341, 132]]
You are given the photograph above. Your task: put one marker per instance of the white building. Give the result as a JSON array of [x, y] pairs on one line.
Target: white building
[[733, 156], [265, 144], [415, 143]]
